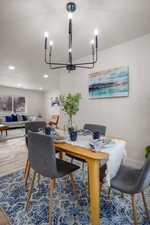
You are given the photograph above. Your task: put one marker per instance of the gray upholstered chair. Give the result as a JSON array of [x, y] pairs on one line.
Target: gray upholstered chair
[[132, 181], [95, 127], [34, 126], [42, 159], [31, 126]]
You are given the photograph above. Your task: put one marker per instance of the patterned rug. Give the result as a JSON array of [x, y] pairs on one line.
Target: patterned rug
[[66, 210]]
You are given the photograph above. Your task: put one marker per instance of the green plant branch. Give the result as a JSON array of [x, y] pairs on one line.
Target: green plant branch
[[147, 151], [70, 104]]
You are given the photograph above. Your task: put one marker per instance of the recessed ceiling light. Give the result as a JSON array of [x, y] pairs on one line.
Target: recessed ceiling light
[[41, 88], [11, 67], [45, 76], [18, 85]]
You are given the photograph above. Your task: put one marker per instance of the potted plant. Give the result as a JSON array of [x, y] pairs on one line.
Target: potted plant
[[70, 105], [147, 151]]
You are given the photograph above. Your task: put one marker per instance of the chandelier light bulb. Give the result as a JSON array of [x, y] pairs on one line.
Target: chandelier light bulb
[[92, 42], [11, 67], [45, 76], [96, 32], [51, 43], [70, 16], [46, 34], [70, 50]]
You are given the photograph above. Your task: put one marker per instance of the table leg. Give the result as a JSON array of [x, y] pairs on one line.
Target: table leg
[[6, 133], [93, 173], [61, 155]]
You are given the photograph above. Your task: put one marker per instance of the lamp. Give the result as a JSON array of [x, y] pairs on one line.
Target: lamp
[[70, 66]]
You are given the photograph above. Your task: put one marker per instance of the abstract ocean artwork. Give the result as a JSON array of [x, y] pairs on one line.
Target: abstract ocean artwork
[[109, 83]]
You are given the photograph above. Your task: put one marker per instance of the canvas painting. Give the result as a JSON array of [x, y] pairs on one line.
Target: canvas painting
[[19, 104], [109, 83], [55, 101], [5, 104]]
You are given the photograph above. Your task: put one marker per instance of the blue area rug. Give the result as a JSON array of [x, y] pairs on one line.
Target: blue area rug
[[66, 210]]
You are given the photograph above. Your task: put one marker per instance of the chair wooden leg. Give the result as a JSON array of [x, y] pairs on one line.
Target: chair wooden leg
[[83, 165], [145, 205], [73, 186], [61, 155], [134, 209], [27, 174], [101, 185], [122, 195], [83, 170], [109, 192], [51, 189], [54, 183], [26, 166], [38, 178], [30, 191]]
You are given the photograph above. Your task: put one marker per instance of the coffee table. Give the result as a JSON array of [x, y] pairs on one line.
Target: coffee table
[[3, 128]]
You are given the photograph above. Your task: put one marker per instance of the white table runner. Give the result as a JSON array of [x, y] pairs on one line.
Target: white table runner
[[116, 150]]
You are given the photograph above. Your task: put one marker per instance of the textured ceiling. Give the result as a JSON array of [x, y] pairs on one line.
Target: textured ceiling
[[23, 23]]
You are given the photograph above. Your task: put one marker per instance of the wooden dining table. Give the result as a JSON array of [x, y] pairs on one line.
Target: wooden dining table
[[94, 161]]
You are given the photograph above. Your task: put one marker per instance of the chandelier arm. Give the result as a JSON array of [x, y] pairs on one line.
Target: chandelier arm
[[86, 67], [96, 55], [46, 56], [93, 53], [57, 64], [88, 63], [50, 57], [58, 67], [70, 41]]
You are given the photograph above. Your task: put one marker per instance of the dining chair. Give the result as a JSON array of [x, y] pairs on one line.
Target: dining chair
[[132, 181], [95, 128], [54, 120], [31, 126], [42, 159]]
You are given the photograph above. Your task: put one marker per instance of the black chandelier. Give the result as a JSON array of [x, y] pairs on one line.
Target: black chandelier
[[70, 66]]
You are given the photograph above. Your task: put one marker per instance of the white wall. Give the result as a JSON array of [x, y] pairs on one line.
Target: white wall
[[54, 91], [124, 117], [34, 99]]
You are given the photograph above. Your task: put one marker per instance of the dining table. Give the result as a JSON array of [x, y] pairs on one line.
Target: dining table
[[94, 162]]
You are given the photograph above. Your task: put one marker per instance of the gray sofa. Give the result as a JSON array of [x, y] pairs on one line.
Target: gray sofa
[[17, 124]]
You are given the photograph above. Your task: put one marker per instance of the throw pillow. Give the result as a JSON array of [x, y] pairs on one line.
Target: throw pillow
[[8, 118], [24, 117], [14, 118]]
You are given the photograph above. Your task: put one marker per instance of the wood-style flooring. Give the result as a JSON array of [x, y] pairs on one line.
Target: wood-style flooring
[[13, 155]]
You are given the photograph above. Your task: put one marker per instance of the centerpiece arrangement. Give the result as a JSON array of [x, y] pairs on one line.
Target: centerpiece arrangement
[[70, 105]]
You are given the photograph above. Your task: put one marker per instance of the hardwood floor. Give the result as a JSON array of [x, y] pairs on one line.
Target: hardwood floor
[[13, 155]]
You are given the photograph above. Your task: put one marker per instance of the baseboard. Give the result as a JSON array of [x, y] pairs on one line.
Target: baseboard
[[134, 163]]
